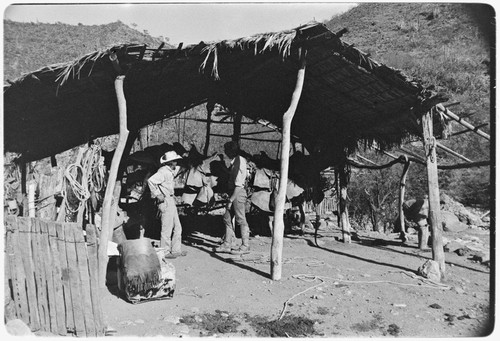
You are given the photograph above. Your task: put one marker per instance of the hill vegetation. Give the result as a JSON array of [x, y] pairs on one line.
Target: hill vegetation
[[31, 46], [446, 45]]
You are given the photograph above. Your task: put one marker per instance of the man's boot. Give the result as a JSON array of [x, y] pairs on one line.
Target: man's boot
[[224, 248], [244, 248]]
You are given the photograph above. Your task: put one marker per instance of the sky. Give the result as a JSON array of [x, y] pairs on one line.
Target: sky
[[185, 22]]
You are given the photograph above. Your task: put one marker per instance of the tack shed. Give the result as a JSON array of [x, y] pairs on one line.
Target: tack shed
[[347, 97]]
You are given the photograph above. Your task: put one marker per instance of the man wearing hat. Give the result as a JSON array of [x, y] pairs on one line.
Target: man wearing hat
[[235, 206], [161, 185]]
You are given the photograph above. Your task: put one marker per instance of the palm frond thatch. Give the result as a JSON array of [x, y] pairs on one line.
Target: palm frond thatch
[[259, 43]]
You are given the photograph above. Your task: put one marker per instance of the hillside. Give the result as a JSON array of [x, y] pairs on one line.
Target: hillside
[[445, 45], [30, 46]]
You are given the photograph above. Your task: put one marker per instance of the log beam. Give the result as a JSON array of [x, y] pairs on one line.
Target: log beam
[[452, 152], [467, 125]]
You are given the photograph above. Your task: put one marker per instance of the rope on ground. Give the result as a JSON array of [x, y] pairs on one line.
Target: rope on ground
[[312, 278], [300, 293], [431, 284]]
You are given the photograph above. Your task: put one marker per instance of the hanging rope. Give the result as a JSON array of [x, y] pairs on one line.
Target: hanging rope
[[79, 189], [91, 172]]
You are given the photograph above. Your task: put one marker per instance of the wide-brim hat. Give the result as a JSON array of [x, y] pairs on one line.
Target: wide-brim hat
[[170, 156]]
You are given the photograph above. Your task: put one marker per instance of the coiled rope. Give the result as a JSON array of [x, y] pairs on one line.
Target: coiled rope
[[90, 170]]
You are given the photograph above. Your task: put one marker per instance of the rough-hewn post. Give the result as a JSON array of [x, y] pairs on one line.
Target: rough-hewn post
[[144, 137], [210, 108], [402, 188], [344, 216], [237, 127], [110, 187], [429, 143], [279, 224]]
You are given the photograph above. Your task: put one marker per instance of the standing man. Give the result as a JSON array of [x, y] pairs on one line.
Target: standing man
[[161, 185], [235, 206]]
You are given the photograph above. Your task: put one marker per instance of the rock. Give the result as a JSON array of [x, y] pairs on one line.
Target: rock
[[182, 329], [18, 328], [126, 322], [452, 246], [172, 319], [139, 321], [451, 223], [481, 257], [430, 270], [462, 251], [9, 309], [463, 214]]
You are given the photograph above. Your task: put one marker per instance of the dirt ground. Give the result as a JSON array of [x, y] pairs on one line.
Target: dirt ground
[[367, 288]]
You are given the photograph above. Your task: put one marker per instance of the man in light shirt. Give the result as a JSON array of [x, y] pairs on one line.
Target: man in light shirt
[[235, 206], [161, 185]]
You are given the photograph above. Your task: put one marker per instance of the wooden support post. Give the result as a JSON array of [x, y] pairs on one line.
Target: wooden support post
[[210, 108], [429, 143], [337, 190], [31, 198], [279, 224], [143, 137], [237, 127], [402, 188], [344, 216], [108, 196]]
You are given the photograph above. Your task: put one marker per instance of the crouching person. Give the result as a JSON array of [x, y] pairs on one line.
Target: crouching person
[[235, 206], [161, 185]]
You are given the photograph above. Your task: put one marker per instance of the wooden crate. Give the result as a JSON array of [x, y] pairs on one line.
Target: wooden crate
[[52, 276]]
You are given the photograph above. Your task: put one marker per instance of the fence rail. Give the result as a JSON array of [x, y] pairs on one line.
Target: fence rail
[[51, 271]]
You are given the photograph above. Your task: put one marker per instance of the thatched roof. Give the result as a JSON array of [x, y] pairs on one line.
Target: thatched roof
[[347, 97]]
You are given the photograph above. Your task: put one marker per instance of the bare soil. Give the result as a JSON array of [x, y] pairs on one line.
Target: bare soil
[[367, 288]]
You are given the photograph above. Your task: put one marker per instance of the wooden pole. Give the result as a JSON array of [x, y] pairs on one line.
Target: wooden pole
[[210, 108], [237, 128], [112, 175], [31, 198], [402, 187], [143, 138], [467, 125], [452, 152], [344, 217], [279, 224], [429, 143]]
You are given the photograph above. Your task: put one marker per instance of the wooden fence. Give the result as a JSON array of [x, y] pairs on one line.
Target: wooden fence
[[327, 206], [51, 272]]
